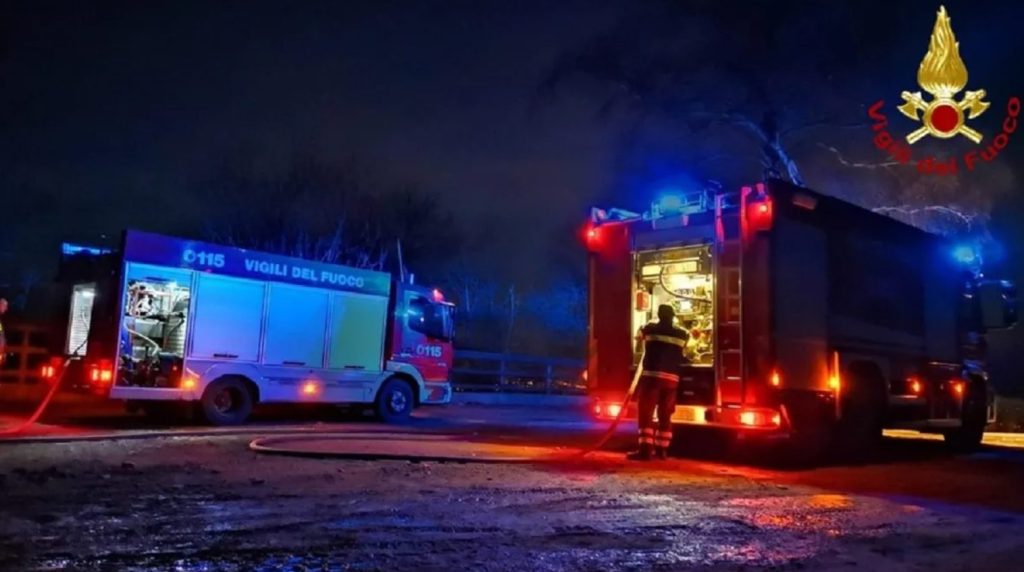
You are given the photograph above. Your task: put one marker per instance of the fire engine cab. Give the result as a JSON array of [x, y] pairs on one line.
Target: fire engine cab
[[810, 318]]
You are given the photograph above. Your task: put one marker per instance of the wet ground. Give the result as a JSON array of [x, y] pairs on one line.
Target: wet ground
[[209, 503]]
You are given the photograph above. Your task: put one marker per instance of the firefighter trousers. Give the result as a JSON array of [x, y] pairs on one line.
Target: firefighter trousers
[[655, 394]]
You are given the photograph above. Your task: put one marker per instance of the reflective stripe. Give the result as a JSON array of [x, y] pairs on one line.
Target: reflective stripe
[[647, 431], [646, 440], [662, 375], [665, 339], [664, 438]]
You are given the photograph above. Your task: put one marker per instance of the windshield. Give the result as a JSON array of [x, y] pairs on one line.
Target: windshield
[[435, 319]]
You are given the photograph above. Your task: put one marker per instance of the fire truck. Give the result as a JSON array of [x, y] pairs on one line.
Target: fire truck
[[811, 320], [166, 320]]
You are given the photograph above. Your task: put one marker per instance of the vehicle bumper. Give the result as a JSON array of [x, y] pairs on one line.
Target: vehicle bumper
[[435, 393], [764, 420]]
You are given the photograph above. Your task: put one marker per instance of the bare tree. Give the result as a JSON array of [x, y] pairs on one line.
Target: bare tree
[[779, 92], [330, 213]]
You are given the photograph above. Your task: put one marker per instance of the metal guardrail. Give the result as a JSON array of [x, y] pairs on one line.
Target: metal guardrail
[[28, 346], [497, 372]]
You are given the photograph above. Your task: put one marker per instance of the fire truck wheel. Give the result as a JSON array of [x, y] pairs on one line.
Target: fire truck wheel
[[859, 431], [227, 401], [394, 401], [968, 437]]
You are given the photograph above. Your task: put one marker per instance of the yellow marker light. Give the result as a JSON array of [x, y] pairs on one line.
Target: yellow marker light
[[777, 419], [915, 386], [958, 388], [614, 409], [188, 383], [310, 388], [776, 379]]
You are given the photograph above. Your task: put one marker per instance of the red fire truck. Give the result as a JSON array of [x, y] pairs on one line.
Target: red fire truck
[[166, 320], [810, 319]]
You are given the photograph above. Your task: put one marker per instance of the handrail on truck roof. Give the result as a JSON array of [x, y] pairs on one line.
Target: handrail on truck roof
[[670, 205]]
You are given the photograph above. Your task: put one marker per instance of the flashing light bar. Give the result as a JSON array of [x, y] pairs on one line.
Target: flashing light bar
[[680, 204], [69, 249]]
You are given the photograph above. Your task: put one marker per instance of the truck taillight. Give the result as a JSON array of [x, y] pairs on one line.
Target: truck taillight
[[759, 418], [48, 372], [607, 409], [101, 373]]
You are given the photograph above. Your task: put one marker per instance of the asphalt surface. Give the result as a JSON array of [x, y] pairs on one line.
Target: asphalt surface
[[185, 498]]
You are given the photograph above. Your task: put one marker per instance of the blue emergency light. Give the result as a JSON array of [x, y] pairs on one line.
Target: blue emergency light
[[965, 254], [680, 203], [69, 249]]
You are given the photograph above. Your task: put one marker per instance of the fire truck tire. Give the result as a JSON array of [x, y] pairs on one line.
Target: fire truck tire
[[227, 401], [967, 438], [394, 401], [859, 430]]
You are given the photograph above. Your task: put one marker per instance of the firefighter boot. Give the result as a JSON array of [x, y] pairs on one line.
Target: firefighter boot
[[644, 454], [661, 453]]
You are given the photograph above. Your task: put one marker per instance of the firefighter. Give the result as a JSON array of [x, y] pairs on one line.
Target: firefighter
[[663, 355]]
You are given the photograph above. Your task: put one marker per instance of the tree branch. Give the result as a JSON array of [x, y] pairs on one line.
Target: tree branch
[[821, 123], [967, 219], [857, 165]]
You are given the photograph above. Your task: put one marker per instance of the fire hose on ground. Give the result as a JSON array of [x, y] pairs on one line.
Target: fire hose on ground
[[410, 447], [271, 445], [21, 427]]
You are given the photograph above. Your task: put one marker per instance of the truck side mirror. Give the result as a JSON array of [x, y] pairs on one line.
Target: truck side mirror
[[998, 302]]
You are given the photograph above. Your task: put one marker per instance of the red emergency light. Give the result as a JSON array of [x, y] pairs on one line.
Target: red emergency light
[[760, 214]]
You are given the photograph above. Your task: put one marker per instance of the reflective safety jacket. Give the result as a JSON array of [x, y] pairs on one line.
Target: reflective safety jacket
[[663, 351]]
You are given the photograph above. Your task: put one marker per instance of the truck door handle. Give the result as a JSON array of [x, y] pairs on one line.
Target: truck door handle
[[293, 363], [229, 356]]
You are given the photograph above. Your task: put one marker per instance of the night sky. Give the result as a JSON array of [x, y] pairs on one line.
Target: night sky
[[112, 112], [117, 109]]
